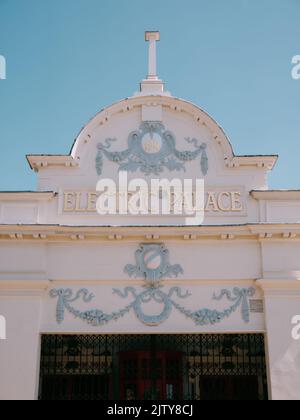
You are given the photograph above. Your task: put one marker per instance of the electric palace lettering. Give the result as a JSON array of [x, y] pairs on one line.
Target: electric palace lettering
[[218, 202]]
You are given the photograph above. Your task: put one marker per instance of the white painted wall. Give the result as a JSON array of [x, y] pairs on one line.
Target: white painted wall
[[282, 304], [32, 262], [20, 352]]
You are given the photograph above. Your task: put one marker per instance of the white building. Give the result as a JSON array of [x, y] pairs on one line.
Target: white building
[[168, 310]]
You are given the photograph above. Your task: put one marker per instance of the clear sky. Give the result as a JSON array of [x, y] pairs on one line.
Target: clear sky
[[67, 59]]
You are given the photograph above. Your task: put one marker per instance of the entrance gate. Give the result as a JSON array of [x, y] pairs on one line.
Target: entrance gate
[[153, 367]]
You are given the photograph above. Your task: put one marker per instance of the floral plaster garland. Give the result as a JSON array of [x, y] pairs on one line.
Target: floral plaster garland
[[151, 149], [152, 265], [96, 317]]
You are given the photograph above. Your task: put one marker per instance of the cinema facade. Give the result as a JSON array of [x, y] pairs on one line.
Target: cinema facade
[[147, 307]]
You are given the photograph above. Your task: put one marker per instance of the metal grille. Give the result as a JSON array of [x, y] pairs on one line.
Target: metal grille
[[153, 367]]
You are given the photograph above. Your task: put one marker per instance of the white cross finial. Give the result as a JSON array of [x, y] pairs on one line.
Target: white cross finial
[[152, 85], [152, 38]]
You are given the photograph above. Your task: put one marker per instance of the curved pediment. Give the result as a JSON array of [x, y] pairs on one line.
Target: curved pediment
[[190, 130], [157, 109], [154, 137]]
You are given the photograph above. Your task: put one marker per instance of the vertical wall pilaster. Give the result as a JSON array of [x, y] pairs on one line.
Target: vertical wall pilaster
[[282, 304], [20, 304]]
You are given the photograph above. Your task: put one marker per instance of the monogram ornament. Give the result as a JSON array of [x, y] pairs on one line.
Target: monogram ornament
[[152, 264], [151, 149]]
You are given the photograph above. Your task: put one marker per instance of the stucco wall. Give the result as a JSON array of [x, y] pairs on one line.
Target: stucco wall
[[44, 248], [282, 304], [20, 353]]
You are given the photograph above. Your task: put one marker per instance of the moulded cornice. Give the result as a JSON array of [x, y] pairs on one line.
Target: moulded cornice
[[23, 287], [280, 287], [26, 196], [38, 162], [276, 195], [150, 233]]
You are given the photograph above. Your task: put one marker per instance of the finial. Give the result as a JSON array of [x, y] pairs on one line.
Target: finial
[[152, 38], [152, 85]]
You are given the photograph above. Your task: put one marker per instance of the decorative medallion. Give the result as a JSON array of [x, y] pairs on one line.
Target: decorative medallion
[[151, 149], [153, 266]]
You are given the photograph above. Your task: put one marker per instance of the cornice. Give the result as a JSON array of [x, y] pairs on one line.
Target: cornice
[[260, 161], [25, 288], [276, 195], [38, 162], [284, 283], [167, 282], [54, 233], [26, 195], [280, 287]]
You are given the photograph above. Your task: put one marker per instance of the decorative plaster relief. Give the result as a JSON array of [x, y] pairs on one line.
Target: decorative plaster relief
[[152, 264], [201, 317], [151, 149]]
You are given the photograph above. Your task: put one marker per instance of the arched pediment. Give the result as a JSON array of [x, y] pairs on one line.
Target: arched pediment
[[183, 119], [171, 104]]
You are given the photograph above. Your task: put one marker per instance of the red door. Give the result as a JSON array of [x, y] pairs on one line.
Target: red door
[[144, 376]]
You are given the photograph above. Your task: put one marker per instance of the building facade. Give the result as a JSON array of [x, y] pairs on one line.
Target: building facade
[[150, 306]]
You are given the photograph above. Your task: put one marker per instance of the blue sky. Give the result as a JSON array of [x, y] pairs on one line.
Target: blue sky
[[67, 59]]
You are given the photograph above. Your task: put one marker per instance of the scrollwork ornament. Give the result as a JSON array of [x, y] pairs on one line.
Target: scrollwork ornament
[[202, 317], [153, 265], [151, 149]]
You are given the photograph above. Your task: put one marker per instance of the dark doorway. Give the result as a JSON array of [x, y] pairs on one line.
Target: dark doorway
[[229, 388], [153, 367], [147, 377]]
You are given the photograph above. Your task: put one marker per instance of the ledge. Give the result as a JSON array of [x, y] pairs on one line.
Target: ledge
[[38, 162], [29, 288], [27, 195], [280, 288], [276, 194], [279, 284], [265, 232], [259, 161]]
